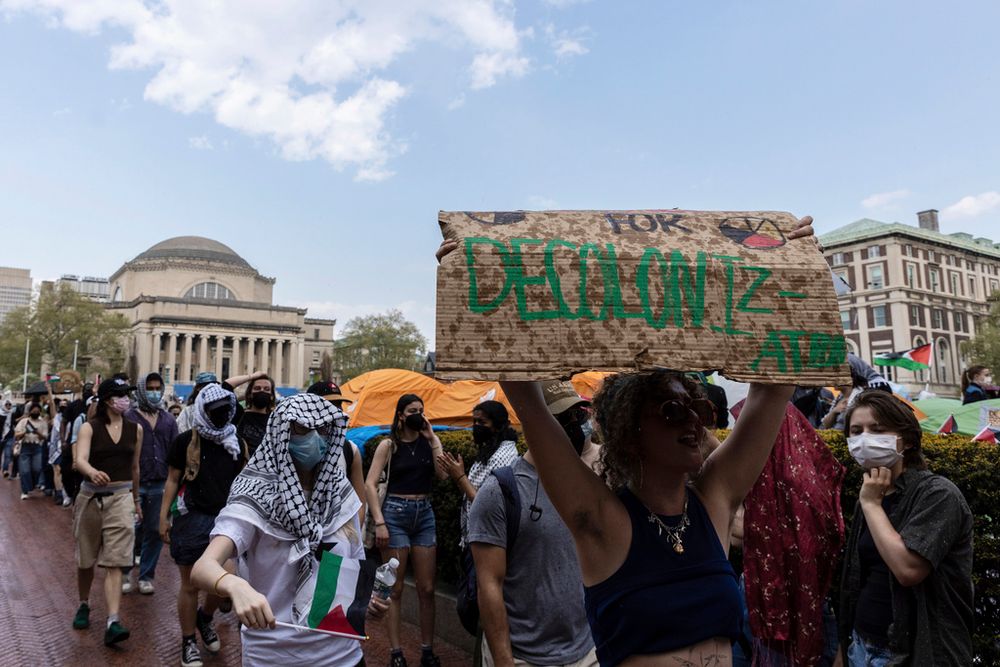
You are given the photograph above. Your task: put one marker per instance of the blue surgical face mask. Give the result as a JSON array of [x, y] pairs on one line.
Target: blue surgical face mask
[[308, 449], [154, 396]]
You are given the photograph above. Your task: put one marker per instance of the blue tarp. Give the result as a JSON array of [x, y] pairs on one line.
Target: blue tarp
[[183, 390], [285, 392], [362, 434]]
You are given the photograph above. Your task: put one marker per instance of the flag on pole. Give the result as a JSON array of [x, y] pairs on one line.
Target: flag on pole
[[918, 358], [950, 425], [986, 435], [340, 599]]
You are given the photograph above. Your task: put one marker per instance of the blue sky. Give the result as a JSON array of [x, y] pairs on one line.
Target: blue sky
[[126, 123]]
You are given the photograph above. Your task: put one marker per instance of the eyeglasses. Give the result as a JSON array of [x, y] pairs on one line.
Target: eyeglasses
[[676, 412]]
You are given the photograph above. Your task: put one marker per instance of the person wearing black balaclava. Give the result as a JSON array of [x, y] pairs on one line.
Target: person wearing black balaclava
[[205, 460], [496, 446]]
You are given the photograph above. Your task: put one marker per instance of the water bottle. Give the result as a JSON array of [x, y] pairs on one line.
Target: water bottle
[[385, 579]]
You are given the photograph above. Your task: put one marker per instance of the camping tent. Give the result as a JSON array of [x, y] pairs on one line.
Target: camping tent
[[969, 417]]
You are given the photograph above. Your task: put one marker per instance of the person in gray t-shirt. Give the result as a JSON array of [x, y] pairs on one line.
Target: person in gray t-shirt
[[531, 600]]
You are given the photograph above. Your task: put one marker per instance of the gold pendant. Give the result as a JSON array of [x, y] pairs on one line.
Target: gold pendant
[[678, 547]]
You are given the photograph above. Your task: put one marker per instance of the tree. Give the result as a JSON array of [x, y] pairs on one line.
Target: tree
[[379, 341], [984, 348], [326, 367], [55, 322]]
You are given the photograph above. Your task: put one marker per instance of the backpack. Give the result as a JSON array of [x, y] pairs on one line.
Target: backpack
[[467, 596]]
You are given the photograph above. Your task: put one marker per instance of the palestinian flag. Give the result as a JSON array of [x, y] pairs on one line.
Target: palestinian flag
[[950, 425], [343, 591], [986, 435], [919, 358]]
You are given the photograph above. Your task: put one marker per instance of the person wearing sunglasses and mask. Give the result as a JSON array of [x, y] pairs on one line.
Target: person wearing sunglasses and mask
[[351, 460], [159, 429], [405, 527], [205, 461], [530, 590], [260, 400], [906, 589], [289, 506], [107, 505]]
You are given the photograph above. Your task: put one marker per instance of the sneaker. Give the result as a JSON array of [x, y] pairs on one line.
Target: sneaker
[[126, 584], [208, 635], [66, 501], [24, 496], [397, 660], [428, 659], [82, 619], [190, 655], [115, 633], [146, 587], [136, 559]]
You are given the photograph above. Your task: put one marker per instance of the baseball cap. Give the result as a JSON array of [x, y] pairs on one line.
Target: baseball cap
[[114, 387], [205, 377], [328, 390], [560, 396]]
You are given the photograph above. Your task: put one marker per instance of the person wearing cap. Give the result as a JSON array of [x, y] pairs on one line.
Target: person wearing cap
[[205, 460], [259, 399], [30, 435], [159, 429], [107, 456], [351, 460], [531, 602], [186, 419]]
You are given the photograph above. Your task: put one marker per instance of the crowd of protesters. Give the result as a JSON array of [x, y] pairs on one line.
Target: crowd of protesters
[[607, 542]]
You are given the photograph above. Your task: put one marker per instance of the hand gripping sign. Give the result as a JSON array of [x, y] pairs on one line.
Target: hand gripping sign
[[536, 295]]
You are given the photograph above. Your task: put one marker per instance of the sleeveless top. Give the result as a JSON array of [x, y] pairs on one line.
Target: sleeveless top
[[659, 600], [108, 456], [412, 468]]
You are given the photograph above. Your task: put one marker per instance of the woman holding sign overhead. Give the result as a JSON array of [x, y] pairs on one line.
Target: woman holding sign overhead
[[652, 544], [291, 507]]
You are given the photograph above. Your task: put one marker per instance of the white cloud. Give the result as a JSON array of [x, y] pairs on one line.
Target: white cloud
[[567, 45], [312, 76], [201, 143], [973, 205], [457, 103], [885, 199]]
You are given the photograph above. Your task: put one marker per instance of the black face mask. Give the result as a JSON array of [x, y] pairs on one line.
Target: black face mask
[[219, 417], [260, 399], [482, 435], [415, 422], [35, 415], [577, 438]]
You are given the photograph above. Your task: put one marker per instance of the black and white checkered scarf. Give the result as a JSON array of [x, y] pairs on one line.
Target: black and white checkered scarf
[[269, 494]]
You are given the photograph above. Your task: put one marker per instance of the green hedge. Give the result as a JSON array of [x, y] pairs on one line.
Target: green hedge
[[973, 467]]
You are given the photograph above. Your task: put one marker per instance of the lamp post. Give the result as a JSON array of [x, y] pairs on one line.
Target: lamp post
[[76, 348], [24, 377]]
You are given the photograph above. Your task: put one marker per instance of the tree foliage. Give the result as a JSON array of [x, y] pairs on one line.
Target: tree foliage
[[984, 348], [54, 322], [372, 342]]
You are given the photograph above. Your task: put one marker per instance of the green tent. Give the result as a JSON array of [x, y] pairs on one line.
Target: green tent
[[967, 416]]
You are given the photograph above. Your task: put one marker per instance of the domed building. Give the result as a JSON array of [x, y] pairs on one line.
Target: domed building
[[196, 305]]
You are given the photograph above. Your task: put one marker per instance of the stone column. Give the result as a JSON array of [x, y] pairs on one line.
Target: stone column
[[143, 353], [172, 356], [265, 355], [251, 352], [279, 362], [184, 374], [218, 356], [234, 362], [202, 353], [297, 361], [154, 361]]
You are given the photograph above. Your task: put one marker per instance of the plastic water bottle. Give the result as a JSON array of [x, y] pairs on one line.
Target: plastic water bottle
[[385, 579]]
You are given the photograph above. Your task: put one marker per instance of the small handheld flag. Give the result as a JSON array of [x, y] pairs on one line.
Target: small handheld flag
[[915, 359], [950, 425], [340, 599]]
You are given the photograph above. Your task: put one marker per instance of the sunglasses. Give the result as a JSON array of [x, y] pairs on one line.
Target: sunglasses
[[676, 412], [573, 416], [326, 430]]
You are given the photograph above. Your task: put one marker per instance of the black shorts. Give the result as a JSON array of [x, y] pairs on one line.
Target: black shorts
[[189, 536]]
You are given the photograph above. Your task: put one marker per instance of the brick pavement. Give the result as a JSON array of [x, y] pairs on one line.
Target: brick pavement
[[38, 599]]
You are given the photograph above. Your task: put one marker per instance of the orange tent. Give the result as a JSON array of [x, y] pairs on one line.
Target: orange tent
[[587, 384]]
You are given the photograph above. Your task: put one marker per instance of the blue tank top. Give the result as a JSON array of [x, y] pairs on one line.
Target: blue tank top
[[660, 600]]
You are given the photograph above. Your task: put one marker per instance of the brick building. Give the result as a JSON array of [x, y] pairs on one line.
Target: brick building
[[913, 285]]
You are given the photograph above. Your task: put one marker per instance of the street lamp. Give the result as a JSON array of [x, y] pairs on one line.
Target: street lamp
[[76, 348], [24, 377]]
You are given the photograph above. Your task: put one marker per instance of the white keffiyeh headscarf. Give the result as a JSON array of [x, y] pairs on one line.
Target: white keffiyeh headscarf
[[269, 494], [225, 436]]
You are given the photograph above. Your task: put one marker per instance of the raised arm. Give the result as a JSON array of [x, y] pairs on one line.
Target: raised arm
[[238, 380]]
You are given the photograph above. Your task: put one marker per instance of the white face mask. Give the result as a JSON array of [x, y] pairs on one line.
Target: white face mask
[[873, 450]]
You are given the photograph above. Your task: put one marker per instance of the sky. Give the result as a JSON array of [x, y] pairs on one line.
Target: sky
[[319, 138]]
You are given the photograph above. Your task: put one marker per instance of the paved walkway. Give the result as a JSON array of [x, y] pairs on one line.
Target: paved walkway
[[38, 599]]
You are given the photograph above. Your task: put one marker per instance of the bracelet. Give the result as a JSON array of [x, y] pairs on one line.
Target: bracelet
[[380, 524], [216, 587], [460, 478]]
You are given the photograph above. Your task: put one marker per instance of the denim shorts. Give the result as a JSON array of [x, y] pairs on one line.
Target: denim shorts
[[410, 522], [189, 537]]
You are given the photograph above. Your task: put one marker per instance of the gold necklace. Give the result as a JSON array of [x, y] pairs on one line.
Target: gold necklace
[[674, 534]]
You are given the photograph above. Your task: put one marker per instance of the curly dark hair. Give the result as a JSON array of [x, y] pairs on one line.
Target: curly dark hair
[[618, 408]]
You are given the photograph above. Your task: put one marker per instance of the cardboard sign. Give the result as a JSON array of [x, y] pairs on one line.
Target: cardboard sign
[[537, 295]]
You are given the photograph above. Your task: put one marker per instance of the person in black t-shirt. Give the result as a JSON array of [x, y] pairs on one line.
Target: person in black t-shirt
[[259, 400], [202, 464]]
